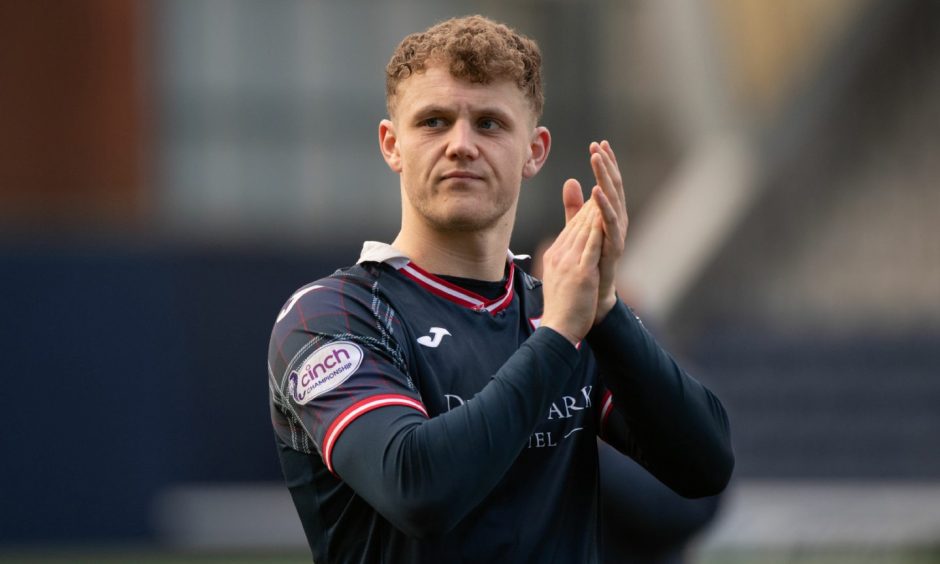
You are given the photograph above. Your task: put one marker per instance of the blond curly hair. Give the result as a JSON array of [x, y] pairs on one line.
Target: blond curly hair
[[476, 49]]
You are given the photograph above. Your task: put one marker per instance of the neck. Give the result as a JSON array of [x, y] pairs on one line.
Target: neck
[[477, 255]]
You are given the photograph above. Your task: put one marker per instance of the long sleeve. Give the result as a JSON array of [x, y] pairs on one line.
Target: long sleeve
[[425, 475], [662, 417]]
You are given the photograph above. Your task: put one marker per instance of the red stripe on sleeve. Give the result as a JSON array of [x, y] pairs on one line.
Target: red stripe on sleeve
[[356, 410], [607, 404]]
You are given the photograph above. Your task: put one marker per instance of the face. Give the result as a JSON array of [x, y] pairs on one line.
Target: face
[[462, 150]]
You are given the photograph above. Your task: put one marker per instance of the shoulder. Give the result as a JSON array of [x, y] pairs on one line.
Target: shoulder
[[344, 287], [349, 305]]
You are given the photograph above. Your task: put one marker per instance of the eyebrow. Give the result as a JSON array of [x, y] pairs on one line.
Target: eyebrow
[[494, 111]]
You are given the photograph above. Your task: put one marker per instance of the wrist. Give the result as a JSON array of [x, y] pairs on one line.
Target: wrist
[[604, 305], [563, 331]]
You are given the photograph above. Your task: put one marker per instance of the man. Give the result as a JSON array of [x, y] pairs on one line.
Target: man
[[434, 403]]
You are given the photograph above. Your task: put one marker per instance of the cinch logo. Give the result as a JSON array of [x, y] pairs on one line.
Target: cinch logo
[[325, 369]]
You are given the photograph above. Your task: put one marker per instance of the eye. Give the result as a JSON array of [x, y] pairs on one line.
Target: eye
[[433, 123], [488, 124]]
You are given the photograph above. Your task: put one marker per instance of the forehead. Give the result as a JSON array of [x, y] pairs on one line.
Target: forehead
[[435, 86]]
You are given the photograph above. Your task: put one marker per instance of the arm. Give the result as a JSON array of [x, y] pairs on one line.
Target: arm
[[662, 417], [425, 475], [642, 520]]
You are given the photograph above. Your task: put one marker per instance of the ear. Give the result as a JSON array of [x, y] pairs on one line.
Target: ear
[[388, 144], [539, 147]]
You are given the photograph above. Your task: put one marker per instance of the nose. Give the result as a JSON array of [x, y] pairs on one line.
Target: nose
[[461, 141]]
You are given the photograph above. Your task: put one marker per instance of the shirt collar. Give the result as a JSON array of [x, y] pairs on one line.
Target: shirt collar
[[374, 251]]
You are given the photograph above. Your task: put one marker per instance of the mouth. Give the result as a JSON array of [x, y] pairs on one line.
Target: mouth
[[462, 175]]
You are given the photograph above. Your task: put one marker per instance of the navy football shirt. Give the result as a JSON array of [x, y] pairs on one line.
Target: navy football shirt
[[417, 421]]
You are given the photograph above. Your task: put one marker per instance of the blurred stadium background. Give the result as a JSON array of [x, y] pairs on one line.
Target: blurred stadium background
[[171, 170]]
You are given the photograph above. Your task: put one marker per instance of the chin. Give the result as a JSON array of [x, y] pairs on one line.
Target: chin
[[464, 224], [465, 221]]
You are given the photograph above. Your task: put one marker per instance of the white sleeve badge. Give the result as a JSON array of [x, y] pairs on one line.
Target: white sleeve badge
[[325, 369]]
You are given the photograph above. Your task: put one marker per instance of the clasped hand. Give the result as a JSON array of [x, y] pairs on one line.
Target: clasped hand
[[580, 268]]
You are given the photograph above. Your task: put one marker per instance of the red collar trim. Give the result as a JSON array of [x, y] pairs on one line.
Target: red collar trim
[[443, 288]]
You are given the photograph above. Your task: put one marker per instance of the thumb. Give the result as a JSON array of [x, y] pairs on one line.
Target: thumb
[[572, 198]]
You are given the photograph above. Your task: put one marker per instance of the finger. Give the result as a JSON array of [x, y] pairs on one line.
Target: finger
[[572, 198], [571, 228], [599, 167], [605, 145], [581, 227], [608, 177], [610, 159], [602, 175], [591, 255], [614, 191], [615, 175], [608, 213], [582, 224]]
